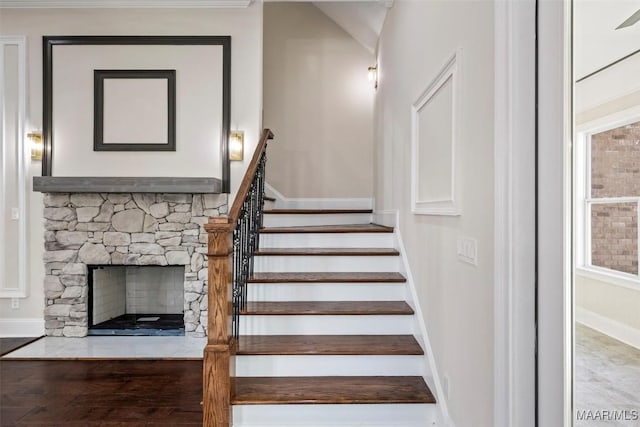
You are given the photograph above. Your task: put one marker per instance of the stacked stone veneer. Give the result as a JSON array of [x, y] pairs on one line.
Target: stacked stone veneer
[[123, 229], [615, 172]]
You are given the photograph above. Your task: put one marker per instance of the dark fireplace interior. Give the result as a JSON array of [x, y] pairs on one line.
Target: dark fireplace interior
[[136, 300]]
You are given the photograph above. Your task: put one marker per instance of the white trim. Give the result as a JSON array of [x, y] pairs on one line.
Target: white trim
[[432, 377], [271, 191], [514, 214], [581, 185], [21, 328], [386, 217], [449, 72], [124, 4], [610, 200], [283, 202], [610, 327], [600, 101], [22, 290], [555, 216], [610, 277], [619, 118], [610, 121]]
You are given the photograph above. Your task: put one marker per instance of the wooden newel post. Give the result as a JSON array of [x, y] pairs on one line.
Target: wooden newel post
[[218, 383]]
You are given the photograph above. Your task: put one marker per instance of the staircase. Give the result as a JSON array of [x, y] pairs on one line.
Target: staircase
[[326, 338]]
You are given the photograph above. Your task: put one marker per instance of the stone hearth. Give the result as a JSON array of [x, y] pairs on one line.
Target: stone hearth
[[123, 229]]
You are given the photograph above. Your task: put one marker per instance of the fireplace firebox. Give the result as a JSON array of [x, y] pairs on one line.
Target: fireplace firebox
[[135, 300]]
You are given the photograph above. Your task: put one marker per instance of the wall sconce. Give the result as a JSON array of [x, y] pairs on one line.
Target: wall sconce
[[35, 141], [236, 145], [373, 76]]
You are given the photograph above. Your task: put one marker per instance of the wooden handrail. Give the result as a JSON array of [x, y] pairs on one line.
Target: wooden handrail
[[224, 255], [234, 212]]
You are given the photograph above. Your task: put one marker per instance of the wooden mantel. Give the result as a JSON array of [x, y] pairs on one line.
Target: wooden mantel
[[117, 184]]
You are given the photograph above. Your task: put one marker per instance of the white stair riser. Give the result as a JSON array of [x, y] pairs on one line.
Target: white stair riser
[[326, 292], [326, 240], [292, 220], [325, 325], [386, 415], [320, 365], [334, 264]]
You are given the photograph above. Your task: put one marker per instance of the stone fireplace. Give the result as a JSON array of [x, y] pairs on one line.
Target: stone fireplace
[[127, 229]]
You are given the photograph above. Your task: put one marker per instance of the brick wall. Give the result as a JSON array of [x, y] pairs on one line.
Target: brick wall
[[615, 172], [614, 236]]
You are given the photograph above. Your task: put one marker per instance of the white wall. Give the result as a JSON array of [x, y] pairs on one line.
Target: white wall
[[456, 298], [245, 28], [609, 306], [198, 111], [319, 104]]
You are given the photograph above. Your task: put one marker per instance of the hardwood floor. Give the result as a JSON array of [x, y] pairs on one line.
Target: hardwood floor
[[100, 393]]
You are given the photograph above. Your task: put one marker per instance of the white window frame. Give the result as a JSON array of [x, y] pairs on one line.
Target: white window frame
[[585, 201]]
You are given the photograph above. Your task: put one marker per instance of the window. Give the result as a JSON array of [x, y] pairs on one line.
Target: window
[[612, 199]]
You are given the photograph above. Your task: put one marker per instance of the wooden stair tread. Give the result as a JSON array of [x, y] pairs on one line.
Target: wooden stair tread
[[317, 211], [328, 251], [330, 390], [347, 228], [328, 345], [327, 308], [321, 277]]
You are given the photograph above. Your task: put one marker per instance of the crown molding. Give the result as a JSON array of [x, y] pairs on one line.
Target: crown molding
[[117, 4]]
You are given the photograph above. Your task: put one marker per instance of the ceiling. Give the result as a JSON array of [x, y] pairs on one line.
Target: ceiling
[[596, 41], [361, 19]]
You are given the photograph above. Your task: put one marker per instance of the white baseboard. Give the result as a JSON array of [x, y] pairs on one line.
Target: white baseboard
[[387, 218], [613, 328], [21, 328], [391, 218], [283, 202]]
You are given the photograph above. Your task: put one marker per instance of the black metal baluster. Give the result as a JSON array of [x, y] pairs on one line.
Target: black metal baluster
[[246, 241], [236, 282]]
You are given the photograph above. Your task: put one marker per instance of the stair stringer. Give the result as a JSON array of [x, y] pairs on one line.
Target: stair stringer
[[391, 218]]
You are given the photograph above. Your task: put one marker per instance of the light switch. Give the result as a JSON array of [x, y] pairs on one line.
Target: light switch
[[15, 213], [467, 250]]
